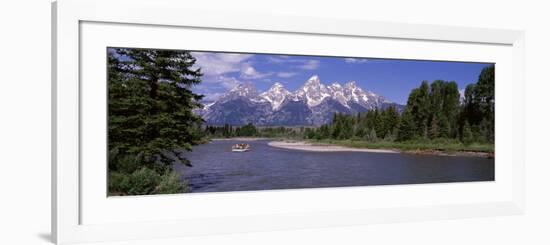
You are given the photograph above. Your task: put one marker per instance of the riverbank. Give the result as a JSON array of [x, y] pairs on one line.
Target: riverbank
[[241, 139], [441, 147], [425, 148], [305, 146]]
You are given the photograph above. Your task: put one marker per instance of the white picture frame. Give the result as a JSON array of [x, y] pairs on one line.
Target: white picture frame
[[68, 17]]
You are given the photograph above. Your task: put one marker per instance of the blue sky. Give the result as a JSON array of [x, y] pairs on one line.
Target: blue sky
[[393, 79]]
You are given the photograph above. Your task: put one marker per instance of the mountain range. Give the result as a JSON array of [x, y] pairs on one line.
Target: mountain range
[[312, 104]]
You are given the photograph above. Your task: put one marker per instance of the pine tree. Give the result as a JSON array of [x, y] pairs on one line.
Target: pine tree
[[451, 109], [434, 129], [445, 128], [479, 105], [407, 127], [151, 104], [419, 105], [371, 136], [324, 132], [390, 119], [425, 130], [467, 135], [389, 136], [486, 130], [347, 131]]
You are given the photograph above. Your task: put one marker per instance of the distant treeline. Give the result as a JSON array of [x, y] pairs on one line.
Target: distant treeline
[[433, 111], [249, 130]]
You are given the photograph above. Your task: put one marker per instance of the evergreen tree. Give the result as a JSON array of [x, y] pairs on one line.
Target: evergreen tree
[[445, 128], [390, 136], [371, 136], [450, 109], [467, 135], [151, 104], [247, 130], [347, 128], [337, 127], [434, 129], [425, 130], [324, 132], [311, 133], [479, 106], [390, 120], [486, 130], [418, 104], [407, 127]]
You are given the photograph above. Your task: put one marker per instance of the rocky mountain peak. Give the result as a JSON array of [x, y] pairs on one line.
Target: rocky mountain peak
[[244, 89], [276, 95]]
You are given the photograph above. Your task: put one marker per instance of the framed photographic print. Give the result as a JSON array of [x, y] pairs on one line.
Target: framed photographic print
[[205, 123]]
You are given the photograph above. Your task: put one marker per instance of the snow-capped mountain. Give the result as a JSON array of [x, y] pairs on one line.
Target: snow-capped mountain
[[313, 92], [276, 95], [312, 104], [337, 92], [246, 90]]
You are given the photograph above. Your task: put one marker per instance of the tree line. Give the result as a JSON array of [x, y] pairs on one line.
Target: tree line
[[249, 130]]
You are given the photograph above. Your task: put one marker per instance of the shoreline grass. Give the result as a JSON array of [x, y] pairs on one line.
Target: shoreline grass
[[417, 146]]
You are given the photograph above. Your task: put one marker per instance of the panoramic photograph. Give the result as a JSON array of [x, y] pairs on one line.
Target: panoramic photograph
[[183, 121]]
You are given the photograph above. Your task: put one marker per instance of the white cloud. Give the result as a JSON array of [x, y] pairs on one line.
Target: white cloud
[[310, 65], [228, 82], [355, 60], [249, 72], [279, 59], [286, 74], [304, 64], [220, 72], [212, 96], [215, 64]]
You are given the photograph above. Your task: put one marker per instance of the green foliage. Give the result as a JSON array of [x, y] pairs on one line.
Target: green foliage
[[324, 132], [479, 106], [150, 106], [407, 128], [434, 109], [247, 130], [309, 133], [439, 144], [150, 103], [434, 129], [118, 183], [169, 183], [145, 181], [123, 163], [444, 128], [371, 136], [467, 135]]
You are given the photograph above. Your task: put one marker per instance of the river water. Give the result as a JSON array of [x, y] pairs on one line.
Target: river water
[[216, 168]]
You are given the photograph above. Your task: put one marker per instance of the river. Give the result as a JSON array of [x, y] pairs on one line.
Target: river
[[216, 168]]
